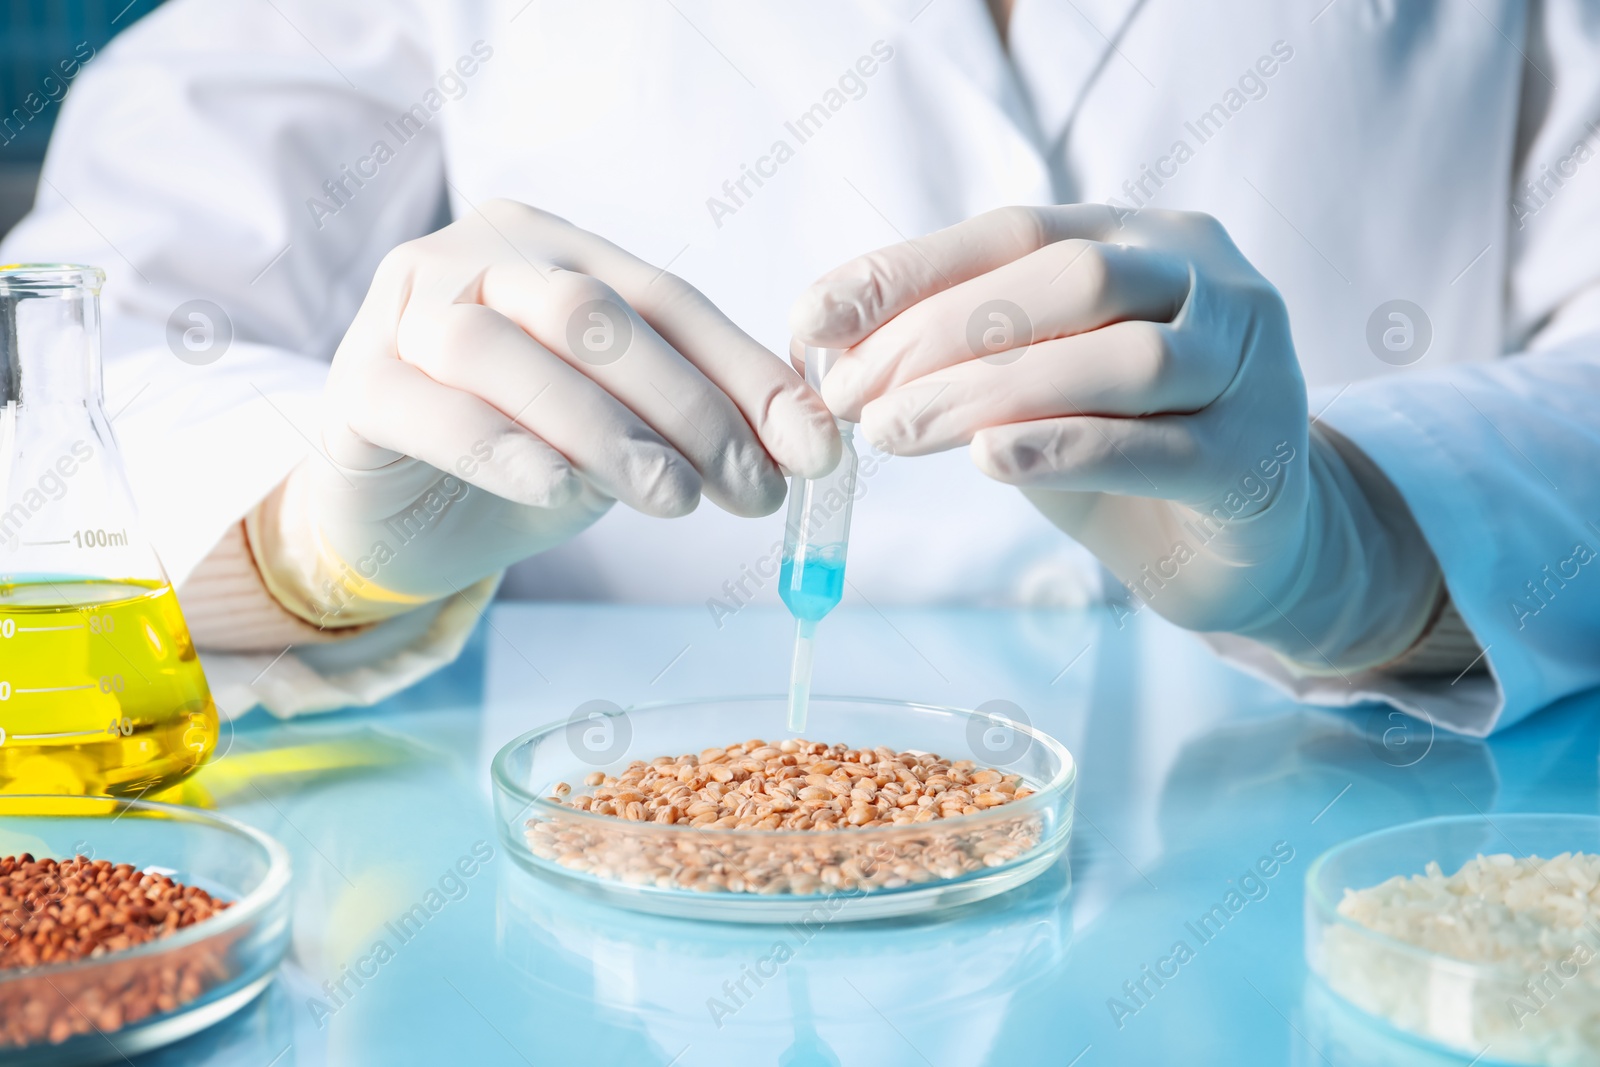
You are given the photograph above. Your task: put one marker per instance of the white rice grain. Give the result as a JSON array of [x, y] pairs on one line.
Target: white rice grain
[[1531, 925]]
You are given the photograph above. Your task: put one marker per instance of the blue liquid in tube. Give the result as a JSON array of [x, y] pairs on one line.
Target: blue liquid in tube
[[814, 589], [816, 538]]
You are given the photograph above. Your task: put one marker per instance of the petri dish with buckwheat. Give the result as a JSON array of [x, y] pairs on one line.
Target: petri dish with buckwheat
[[108, 1007]]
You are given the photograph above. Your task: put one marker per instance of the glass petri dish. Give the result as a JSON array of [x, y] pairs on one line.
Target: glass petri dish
[[102, 1009], [1415, 995], [654, 867]]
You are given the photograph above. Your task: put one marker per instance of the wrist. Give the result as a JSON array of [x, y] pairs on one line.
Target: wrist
[[229, 609], [301, 568], [1367, 585]]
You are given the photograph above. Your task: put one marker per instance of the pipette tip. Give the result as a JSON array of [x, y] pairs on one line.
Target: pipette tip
[[800, 675]]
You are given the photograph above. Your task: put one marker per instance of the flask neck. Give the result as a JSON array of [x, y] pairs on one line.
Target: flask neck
[[49, 335]]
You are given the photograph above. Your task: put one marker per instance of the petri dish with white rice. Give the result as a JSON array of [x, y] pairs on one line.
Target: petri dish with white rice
[[1478, 934]]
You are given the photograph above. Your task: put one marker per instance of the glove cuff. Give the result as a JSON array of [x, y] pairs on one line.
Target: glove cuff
[[229, 609], [1447, 647], [1366, 586], [303, 572]]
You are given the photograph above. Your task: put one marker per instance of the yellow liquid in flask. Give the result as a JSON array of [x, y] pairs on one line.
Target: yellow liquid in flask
[[101, 691]]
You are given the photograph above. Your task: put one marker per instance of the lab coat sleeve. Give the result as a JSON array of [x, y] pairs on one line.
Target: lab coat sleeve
[[238, 168], [1497, 461]]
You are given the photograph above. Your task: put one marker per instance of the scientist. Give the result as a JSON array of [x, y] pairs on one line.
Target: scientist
[[403, 299]]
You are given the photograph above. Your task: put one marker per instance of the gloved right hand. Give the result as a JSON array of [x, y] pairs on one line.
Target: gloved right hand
[[1135, 375], [505, 380]]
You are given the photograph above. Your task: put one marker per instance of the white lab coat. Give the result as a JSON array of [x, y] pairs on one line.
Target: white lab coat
[[1359, 151]]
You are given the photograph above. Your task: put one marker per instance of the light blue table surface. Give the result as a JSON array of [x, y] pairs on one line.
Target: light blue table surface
[[1189, 771]]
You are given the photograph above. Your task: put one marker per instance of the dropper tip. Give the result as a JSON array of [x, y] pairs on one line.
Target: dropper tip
[[800, 675]]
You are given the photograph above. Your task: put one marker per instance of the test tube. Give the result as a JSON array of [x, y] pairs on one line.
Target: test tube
[[816, 536]]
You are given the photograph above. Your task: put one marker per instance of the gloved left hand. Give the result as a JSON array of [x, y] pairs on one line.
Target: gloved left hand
[[506, 378], [1136, 377]]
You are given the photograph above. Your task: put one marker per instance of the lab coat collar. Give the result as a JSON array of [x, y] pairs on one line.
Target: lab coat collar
[[964, 31], [1058, 48]]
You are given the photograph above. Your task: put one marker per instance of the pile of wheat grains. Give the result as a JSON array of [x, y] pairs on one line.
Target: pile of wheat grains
[[788, 785]]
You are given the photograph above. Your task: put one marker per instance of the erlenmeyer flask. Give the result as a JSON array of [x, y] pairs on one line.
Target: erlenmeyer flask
[[100, 688]]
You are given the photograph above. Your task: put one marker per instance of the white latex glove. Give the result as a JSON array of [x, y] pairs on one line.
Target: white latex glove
[[1136, 377], [506, 379]]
